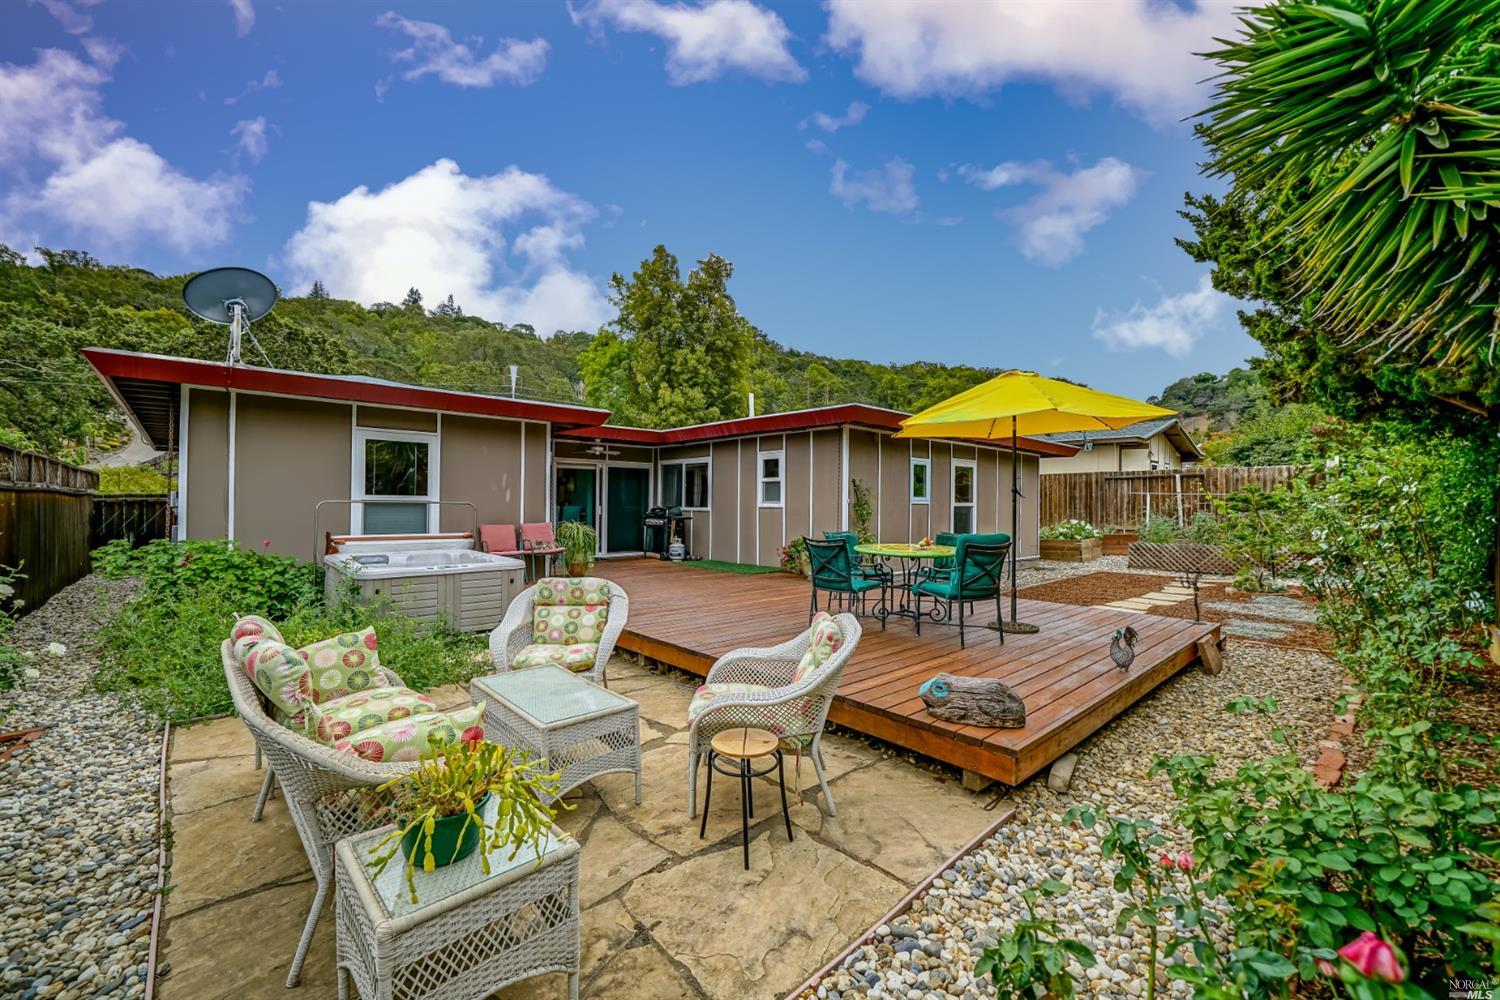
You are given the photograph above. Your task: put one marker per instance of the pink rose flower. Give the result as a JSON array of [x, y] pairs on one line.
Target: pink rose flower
[[1184, 861], [1325, 966], [1166, 861], [1373, 957]]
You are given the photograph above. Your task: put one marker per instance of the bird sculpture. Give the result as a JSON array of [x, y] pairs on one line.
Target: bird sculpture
[[1122, 647]]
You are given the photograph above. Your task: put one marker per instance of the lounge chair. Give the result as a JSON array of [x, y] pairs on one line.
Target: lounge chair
[[786, 689], [524, 638]]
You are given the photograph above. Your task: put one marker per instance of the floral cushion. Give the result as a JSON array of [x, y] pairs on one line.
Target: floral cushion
[[568, 624], [343, 665], [578, 657], [407, 739], [573, 590], [792, 717], [280, 674], [253, 625], [354, 713], [824, 639]]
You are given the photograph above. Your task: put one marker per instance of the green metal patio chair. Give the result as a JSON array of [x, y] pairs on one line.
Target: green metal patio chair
[[833, 572], [979, 568], [866, 567], [942, 568]]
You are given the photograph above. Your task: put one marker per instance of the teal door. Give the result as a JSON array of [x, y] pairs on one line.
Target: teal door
[[577, 495], [625, 505]]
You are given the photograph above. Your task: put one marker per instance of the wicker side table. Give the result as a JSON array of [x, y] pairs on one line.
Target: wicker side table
[[582, 729], [469, 935]]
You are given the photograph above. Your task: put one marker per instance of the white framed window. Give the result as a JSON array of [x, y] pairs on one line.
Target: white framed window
[[921, 480], [400, 470], [965, 511], [772, 473], [685, 484]]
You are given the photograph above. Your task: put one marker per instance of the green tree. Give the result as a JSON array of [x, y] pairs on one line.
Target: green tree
[[687, 346], [448, 309], [413, 300], [1360, 136], [819, 385], [317, 291]]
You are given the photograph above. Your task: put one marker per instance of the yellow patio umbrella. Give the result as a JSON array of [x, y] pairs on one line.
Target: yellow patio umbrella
[[1018, 404]]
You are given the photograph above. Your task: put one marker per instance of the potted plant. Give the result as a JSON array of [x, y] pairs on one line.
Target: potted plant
[[464, 796], [1072, 541], [795, 560], [579, 541]]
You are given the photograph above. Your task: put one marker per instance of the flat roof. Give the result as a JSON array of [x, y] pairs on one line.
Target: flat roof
[[838, 415], [143, 385]]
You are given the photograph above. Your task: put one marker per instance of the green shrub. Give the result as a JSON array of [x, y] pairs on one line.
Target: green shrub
[[1072, 530], [11, 660], [1158, 529], [164, 645], [132, 480]]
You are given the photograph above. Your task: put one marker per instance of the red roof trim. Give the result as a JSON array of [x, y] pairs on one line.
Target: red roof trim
[[111, 364], [778, 423]]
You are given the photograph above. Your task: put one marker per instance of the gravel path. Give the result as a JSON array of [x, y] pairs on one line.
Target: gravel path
[[78, 816], [929, 953]]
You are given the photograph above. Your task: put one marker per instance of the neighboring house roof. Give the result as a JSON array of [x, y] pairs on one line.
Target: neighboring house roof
[[145, 386], [857, 414], [1136, 434]]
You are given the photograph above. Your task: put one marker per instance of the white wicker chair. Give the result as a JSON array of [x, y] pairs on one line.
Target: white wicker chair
[[513, 634], [318, 784], [789, 710]]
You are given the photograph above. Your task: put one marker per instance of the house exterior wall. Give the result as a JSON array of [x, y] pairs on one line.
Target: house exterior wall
[[700, 529], [481, 463], [724, 491], [1108, 457], [208, 466], [304, 445]]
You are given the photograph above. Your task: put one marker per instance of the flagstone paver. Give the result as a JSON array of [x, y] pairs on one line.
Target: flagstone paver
[[665, 913]]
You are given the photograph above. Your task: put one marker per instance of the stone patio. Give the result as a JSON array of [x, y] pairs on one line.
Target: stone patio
[[666, 915]]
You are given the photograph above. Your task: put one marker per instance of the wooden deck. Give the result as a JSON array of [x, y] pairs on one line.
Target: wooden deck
[[689, 617]]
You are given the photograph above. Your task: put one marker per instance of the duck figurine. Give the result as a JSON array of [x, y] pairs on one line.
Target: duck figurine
[[1122, 647]]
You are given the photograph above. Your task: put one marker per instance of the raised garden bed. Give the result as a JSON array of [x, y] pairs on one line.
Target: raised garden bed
[[1118, 543], [1072, 549]]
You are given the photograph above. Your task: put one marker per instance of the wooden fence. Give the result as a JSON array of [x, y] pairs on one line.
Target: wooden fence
[[136, 518], [1126, 499], [44, 522]]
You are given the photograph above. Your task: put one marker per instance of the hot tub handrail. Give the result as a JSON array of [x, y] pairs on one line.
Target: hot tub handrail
[[318, 510]]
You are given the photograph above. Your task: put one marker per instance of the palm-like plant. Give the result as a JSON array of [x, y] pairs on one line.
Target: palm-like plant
[[1374, 127]]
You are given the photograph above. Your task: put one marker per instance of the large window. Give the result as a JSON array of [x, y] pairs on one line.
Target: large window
[[685, 485], [963, 497], [771, 470], [395, 482], [921, 480]]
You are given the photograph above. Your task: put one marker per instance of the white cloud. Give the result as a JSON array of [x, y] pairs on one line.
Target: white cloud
[[445, 232], [244, 16], [706, 40], [888, 189], [1139, 51], [832, 123], [271, 81], [1173, 323], [68, 15], [100, 184], [817, 146], [1050, 226], [251, 137], [434, 51]]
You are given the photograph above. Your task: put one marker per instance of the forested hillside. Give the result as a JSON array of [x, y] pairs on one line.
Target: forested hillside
[[50, 400]]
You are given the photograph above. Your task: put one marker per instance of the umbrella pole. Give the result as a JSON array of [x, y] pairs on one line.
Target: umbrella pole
[[1014, 626]]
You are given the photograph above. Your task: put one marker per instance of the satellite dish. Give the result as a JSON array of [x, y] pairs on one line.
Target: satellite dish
[[234, 296]]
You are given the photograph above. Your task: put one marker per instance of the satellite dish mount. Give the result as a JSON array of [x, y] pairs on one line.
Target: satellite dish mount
[[235, 297]]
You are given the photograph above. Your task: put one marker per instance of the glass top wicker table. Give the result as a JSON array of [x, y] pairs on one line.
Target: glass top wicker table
[[469, 934], [582, 729]]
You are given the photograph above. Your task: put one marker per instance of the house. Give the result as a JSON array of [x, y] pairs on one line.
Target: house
[[284, 457], [1142, 447]]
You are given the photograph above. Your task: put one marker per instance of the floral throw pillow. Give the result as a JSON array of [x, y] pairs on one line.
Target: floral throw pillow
[[342, 665], [280, 674], [574, 590], [824, 639], [253, 625], [340, 717], [407, 739], [568, 624]]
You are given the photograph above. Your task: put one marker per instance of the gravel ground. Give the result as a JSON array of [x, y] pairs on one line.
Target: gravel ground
[[78, 816], [1029, 574], [929, 952]]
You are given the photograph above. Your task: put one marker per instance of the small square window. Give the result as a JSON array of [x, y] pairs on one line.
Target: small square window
[[770, 479], [921, 478]]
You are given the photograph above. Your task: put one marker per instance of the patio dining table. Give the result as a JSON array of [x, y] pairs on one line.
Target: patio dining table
[[910, 558]]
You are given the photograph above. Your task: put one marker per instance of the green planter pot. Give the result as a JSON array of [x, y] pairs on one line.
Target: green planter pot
[[445, 838]]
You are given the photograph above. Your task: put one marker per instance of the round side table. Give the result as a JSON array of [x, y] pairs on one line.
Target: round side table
[[730, 753]]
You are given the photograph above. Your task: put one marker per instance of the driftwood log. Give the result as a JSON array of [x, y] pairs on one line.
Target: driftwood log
[[977, 701]]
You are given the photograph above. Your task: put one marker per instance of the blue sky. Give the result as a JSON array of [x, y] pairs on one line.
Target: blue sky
[[1002, 193]]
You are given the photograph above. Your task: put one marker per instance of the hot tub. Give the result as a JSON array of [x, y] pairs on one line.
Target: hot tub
[[447, 581]]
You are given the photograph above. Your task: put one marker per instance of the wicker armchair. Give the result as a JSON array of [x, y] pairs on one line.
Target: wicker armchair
[[321, 788], [766, 698], [514, 633]]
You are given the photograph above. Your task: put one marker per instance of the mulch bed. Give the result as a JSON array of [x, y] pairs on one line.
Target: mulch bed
[[1103, 588]]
